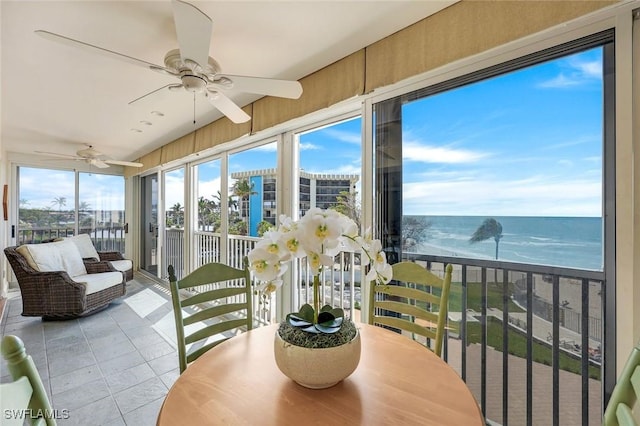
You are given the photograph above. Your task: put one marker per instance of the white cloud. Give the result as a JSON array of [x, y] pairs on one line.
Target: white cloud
[[270, 147], [561, 81], [589, 69], [354, 138], [578, 72], [173, 190], [39, 187], [414, 151], [308, 146], [577, 140], [209, 188], [535, 196]]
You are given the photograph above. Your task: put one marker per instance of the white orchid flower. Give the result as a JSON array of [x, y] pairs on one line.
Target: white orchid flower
[[265, 265], [292, 244], [269, 287], [317, 261], [319, 235]]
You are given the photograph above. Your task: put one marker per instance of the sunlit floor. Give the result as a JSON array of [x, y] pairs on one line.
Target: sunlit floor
[[110, 368]]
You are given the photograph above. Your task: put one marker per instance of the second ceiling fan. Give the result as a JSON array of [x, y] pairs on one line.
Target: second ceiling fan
[[192, 65]]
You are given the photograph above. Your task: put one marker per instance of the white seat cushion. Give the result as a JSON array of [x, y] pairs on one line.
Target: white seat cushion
[[56, 256], [98, 282], [122, 265]]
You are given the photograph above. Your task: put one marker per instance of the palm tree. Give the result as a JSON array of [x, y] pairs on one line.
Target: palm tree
[[490, 228], [60, 202], [243, 189], [177, 212]]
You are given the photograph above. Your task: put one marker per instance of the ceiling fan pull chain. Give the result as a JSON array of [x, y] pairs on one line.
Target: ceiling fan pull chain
[[194, 109]]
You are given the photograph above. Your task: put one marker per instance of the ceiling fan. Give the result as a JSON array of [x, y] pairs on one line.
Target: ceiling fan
[[92, 156], [191, 63]]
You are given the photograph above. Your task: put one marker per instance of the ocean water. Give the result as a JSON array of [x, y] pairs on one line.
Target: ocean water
[[574, 242]]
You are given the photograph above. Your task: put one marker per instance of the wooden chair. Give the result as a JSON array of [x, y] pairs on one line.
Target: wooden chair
[[222, 310], [25, 397], [408, 306], [625, 394]]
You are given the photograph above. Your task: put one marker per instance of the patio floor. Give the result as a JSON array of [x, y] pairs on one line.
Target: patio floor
[[111, 368]]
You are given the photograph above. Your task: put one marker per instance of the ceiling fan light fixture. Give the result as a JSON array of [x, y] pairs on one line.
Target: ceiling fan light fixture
[[193, 83]]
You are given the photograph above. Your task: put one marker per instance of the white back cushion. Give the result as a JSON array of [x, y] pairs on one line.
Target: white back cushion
[[85, 246], [56, 256]]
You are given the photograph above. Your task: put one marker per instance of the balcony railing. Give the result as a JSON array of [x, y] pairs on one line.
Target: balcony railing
[[206, 250], [105, 238], [525, 338]]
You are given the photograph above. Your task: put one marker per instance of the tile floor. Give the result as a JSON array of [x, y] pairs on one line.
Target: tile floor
[[111, 368]]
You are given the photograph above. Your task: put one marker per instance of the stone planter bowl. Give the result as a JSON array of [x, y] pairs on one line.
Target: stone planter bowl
[[317, 368]]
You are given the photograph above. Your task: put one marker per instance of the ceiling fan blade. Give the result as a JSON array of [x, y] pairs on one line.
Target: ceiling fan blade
[[95, 49], [73, 157], [193, 28], [168, 86], [266, 86], [97, 163], [123, 163], [228, 107]]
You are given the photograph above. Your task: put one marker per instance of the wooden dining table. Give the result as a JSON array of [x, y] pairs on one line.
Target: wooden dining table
[[239, 383]]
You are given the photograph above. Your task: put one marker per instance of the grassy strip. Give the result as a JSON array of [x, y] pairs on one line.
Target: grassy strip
[[474, 297], [518, 347]]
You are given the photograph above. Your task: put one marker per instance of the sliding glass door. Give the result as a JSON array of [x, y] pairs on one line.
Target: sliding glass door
[[60, 203], [149, 224], [507, 174]]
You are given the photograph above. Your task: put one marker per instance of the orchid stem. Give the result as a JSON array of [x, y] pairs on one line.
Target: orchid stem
[[316, 297]]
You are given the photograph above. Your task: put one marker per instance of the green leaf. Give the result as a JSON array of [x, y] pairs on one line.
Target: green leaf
[[327, 330], [306, 312], [326, 308], [297, 322], [325, 317], [337, 312], [311, 329], [337, 322]]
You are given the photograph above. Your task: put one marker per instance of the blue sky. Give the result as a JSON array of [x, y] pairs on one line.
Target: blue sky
[[39, 187], [528, 143]]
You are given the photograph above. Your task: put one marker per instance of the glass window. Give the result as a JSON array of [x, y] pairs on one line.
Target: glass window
[[507, 168], [47, 207], [47, 200], [208, 200], [101, 210], [174, 252], [252, 180], [330, 164]]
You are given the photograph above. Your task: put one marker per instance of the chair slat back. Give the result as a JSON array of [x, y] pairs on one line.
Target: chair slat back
[[409, 306], [619, 411], [25, 397], [15, 397], [208, 317]]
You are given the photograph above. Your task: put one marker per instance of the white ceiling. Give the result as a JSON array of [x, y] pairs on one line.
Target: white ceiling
[[56, 97]]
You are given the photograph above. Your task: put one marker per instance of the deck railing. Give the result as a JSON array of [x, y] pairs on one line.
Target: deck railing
[[525, 338], [207, 249], [105, 238]]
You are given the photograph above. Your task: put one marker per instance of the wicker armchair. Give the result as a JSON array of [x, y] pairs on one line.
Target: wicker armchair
[[55, 295]]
